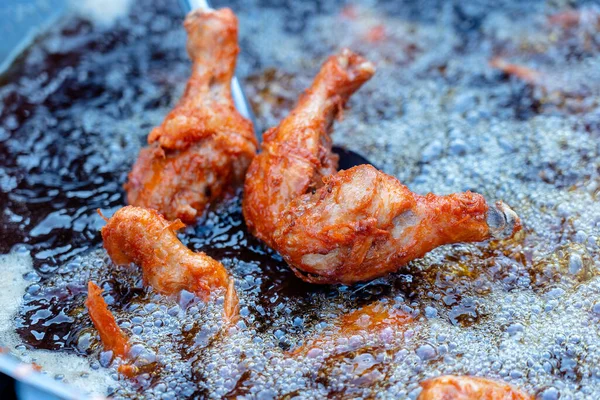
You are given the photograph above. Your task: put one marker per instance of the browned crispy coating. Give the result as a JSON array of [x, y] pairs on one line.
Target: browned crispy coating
[[364, 224], [204, 146], [111, 335], [144, 237], [357, 224], [297, 154], [469, 388]]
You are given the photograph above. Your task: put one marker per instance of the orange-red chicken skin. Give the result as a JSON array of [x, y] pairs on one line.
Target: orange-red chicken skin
[[364, 224], [358, 224], [452, 387], [204, 146], [297, 154], [113, 338], [144, 237]]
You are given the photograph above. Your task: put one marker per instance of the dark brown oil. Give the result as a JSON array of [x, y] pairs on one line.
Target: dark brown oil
[[77, 107]]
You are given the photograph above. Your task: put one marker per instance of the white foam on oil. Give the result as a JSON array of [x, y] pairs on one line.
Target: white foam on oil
[[76, 370], [102, 12], [12, 287]]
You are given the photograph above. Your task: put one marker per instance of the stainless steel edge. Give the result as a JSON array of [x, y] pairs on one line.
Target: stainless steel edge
[[32, 384]]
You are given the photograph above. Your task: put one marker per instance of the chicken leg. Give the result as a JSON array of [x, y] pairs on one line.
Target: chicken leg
[[364, 224], [297, 154], [358, 224], [204, 146]]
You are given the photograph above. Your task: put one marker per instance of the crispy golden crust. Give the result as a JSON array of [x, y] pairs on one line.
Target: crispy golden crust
[[469, 388], [111, 335], [142, 236], [204, 146], [297, 154], [364, 224], [357, 224]]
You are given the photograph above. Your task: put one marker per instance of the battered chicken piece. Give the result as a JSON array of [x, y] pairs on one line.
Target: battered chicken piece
[[364, 224], [373, 317], [111, 335], [142, 236], [297, 154], [469, 388], [359, 224], [204, 146]]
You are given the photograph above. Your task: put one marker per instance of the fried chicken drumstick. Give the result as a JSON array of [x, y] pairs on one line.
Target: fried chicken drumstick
[[144, 237], [297, 154], [364, 224], [358, 224], [204, 146]]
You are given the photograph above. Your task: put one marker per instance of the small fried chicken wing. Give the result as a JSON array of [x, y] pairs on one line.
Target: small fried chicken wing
[[111, 335], [297, 154], [451, 387], [359, 224], [142, 236], [364, 224], [204, 146]]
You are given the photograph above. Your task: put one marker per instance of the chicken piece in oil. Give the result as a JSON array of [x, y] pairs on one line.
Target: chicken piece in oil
[[113, 338], [567, 35], [364, 224], [469, 388], [358, 224], [297, 154], [144, 237], [204, 146]]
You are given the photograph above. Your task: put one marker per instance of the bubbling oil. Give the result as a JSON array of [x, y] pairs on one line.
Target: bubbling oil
[[76, 110]]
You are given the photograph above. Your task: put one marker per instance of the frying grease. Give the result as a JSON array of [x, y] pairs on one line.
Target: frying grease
[[75, 113]]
